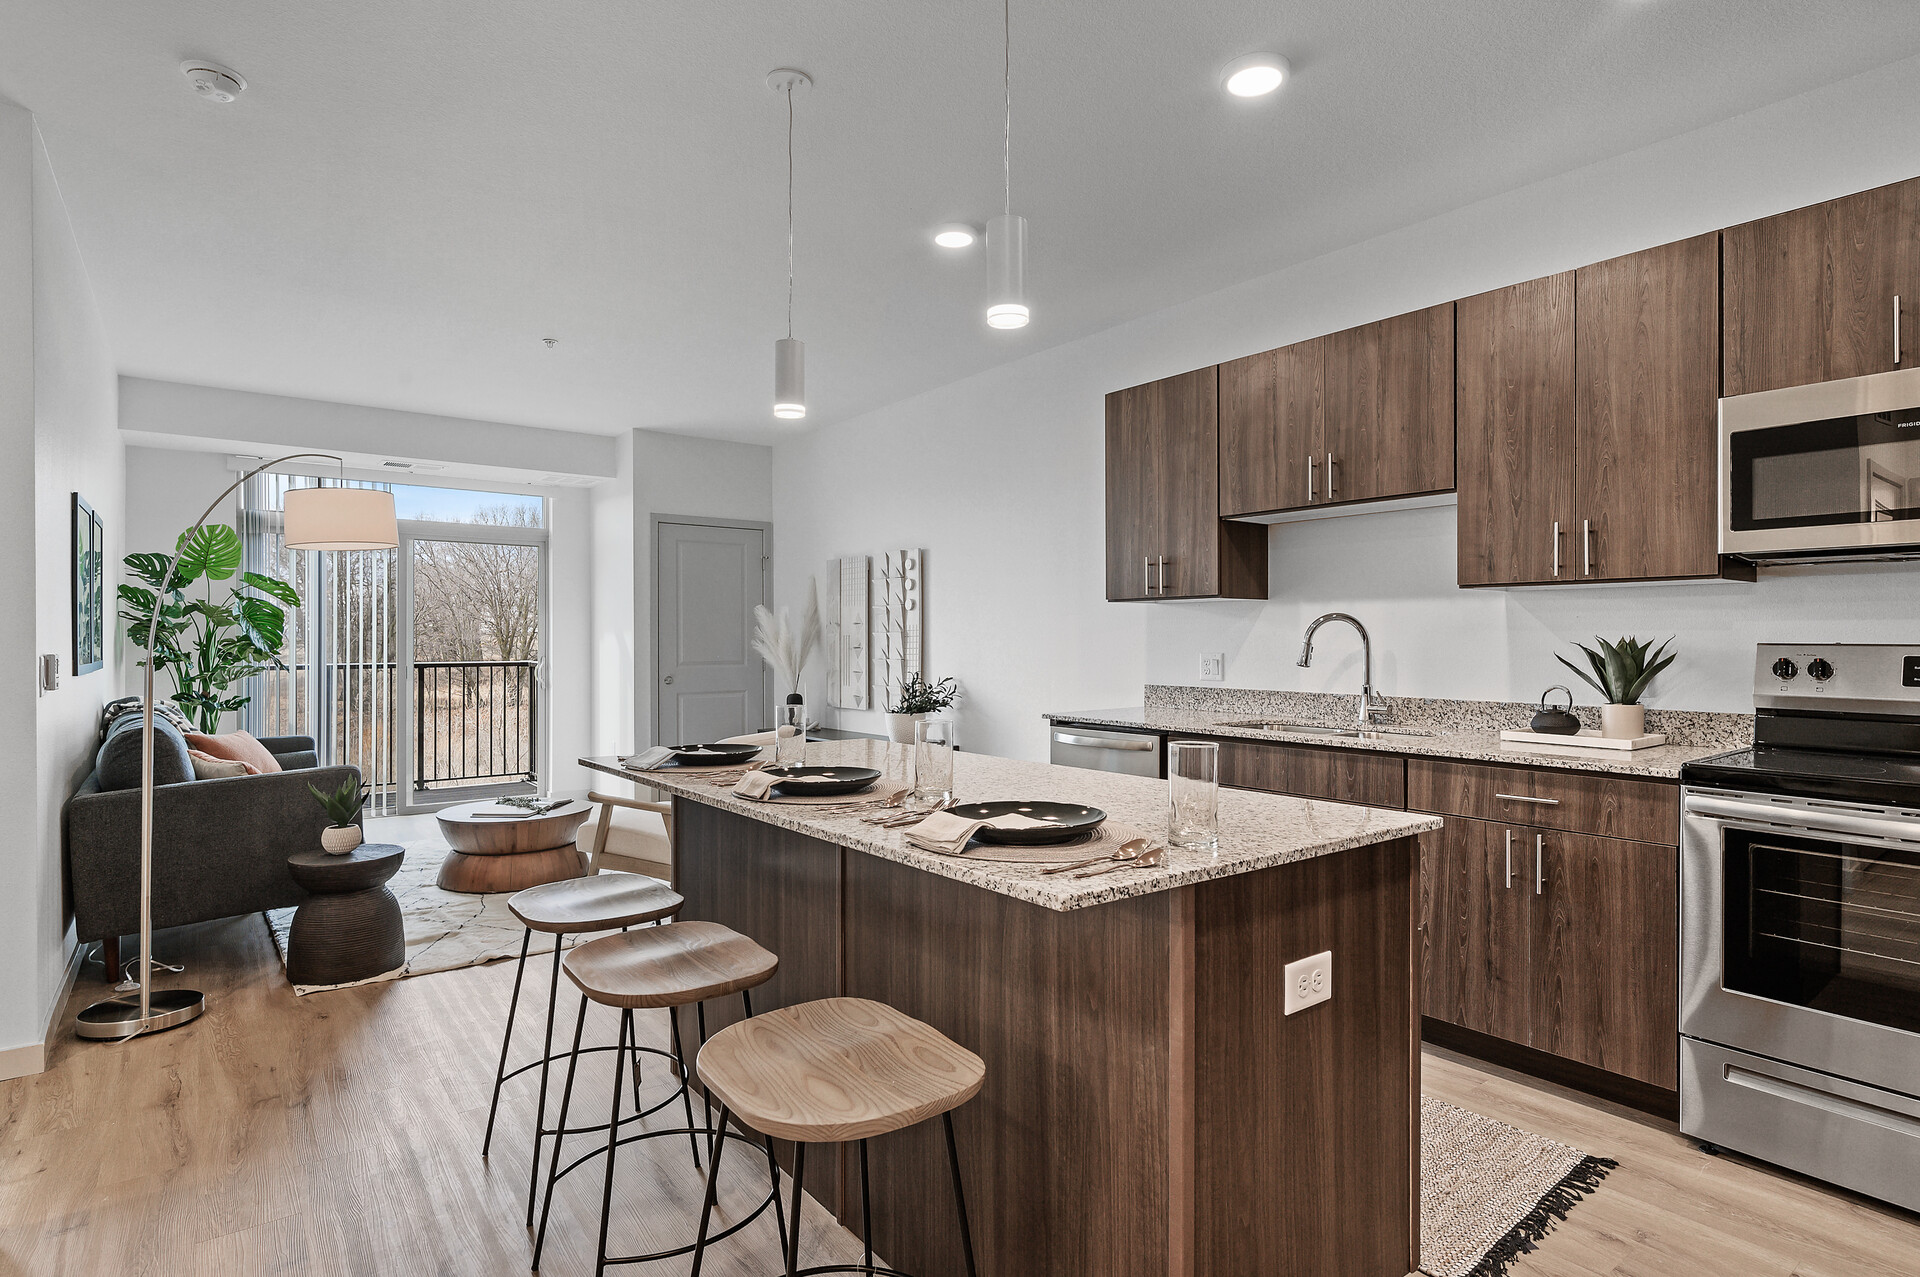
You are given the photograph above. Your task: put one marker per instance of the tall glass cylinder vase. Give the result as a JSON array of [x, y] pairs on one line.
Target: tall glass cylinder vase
[[790, 732], [933, 742], [1193, 795]]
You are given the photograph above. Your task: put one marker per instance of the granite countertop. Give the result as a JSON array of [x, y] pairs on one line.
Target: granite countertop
[[1257, 830], [1477, 745]]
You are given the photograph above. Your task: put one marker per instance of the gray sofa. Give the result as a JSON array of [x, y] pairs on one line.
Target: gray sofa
[[220, 847]]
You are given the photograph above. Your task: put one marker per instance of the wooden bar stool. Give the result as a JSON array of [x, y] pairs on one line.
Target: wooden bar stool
[[832, 1072], [660, 968], [572, 906]]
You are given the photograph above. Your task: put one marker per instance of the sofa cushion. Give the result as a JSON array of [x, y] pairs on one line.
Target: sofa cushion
[[117, 765], [241, 747], [207, 767]]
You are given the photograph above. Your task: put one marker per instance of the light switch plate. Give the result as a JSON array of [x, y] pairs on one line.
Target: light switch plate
[[1309, 982], [1213, 667]]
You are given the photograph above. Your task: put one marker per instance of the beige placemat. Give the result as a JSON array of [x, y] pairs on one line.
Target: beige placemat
[[881, 791], [1107, 837]]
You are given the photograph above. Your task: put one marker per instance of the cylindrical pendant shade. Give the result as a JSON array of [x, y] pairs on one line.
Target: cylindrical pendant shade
[[340, 519], [1007, 259], [789, 378]]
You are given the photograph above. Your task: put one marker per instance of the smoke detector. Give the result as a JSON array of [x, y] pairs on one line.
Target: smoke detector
[[211, 81]]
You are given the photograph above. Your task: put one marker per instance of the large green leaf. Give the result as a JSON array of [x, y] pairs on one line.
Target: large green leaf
[[1584, 675], [211, 550], [272, 586], [151, 568], [219, 617], [263, 622]]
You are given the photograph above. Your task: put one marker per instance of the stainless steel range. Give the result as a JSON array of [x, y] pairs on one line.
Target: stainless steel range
[[1800, 923]]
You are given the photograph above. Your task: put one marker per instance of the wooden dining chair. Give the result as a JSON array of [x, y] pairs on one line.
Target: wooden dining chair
[[638, 843]]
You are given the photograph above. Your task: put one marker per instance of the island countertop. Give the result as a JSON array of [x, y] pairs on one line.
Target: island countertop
[[1257, 830]]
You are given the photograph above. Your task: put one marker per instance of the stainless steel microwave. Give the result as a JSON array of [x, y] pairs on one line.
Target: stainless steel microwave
[[1823, 472]]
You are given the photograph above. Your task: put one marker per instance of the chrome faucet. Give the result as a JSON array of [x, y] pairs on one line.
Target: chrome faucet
[[1373, 707]]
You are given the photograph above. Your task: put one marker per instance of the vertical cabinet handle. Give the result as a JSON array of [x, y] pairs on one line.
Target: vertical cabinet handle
[[1539, 864], [1162, 573], [1509, 860], [1333, 478], [1146, 574], [1556, 549], [1309, 478], [1896, 330], [1586, 544]]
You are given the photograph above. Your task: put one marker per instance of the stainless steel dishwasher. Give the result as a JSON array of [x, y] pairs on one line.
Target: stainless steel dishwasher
[[1103, 749]]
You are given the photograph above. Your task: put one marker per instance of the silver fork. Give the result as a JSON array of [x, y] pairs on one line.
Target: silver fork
[[1146, 860], [1131, 849]]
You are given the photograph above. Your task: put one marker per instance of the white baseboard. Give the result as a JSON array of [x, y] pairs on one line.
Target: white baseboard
[[25, 1061]]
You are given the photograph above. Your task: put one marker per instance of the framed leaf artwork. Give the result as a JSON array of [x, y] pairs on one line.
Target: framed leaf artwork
[[89, 588]]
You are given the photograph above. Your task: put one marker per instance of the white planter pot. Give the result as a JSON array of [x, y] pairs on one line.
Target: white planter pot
[[338, 840], [1623, 722], [900, 727]]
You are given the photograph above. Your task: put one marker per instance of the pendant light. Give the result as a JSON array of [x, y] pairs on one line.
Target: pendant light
[[1007, 233], [789, 355]]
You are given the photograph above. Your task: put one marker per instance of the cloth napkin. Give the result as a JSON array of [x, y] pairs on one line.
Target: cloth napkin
[[755, 785], [947, 833], [658, 756]]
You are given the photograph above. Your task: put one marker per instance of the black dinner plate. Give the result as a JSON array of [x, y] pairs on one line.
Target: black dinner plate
[[1065, 821], [821, 781], [709, 755]]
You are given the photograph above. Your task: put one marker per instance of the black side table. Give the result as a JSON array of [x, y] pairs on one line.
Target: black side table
[[349, 929]]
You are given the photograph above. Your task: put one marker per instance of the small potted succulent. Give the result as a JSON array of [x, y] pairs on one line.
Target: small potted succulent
[[342, 806], [917, 699], [1620, 672]]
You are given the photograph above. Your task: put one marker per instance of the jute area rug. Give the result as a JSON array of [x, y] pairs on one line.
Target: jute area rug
[[444, 929], [1489, 1192]]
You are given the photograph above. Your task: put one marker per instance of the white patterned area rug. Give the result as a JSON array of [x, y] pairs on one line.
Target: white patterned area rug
[[1489, 1192], [444, 929]]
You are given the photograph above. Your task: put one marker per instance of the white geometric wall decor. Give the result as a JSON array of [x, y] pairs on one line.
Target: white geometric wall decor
[[844, 615], [899, 608]]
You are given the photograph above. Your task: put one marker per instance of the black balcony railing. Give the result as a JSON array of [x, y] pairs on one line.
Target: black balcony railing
[[474, 723]]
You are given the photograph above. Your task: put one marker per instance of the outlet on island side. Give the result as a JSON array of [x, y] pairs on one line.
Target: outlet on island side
[[1309, 982], [1213, 667]]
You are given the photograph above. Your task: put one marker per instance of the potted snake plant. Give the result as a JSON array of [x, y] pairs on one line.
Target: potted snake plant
[[342, 806], [1620, 672]]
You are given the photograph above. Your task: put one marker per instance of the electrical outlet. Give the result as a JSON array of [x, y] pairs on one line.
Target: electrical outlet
[[1309, 982], [1213, 667]]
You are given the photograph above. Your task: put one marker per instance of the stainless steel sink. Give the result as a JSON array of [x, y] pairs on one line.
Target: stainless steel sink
[[1320, 729]]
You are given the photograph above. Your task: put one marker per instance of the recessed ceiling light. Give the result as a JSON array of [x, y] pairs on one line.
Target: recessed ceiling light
[[1255, 75], [954, 235]]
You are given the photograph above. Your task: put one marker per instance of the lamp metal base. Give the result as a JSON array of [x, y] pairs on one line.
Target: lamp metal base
[[118, 1018]]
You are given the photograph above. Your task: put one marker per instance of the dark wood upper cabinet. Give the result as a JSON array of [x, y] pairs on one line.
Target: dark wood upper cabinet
[[1387, 430], [1270, 411], [1647, 414], [1165, 538], [1514, 393], [1811, 295]]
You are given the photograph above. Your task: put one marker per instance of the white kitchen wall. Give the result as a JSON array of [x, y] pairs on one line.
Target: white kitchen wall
[[999, 477]]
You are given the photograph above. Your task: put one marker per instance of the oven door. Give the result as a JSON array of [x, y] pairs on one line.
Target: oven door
[[1832, 468], [1800, 933]]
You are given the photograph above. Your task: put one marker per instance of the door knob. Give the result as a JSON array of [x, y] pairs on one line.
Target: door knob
[[668, 679]]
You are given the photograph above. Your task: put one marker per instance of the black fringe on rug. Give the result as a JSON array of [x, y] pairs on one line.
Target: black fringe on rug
[[1578, 1183]]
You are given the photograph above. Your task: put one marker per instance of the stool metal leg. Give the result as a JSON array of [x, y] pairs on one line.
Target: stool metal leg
[[566, 1102], [959, 1195], [686, 1085], [793, 1216], [706, 1098], [613, 1139], [773, 1163], [546, 1060], [866, 1209], [713, 1191], [506, 1040]]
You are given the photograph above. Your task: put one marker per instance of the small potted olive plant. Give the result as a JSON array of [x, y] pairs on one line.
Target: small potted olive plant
[[916, 700], [1620, 672], [342, 806]]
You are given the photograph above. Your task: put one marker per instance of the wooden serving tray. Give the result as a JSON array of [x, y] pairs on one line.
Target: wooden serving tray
[[1582, 740]]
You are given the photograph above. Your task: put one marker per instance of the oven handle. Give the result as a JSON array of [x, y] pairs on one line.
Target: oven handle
[[1804, 818]]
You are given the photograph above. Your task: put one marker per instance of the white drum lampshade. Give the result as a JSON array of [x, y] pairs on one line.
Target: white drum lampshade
[[340, 519]]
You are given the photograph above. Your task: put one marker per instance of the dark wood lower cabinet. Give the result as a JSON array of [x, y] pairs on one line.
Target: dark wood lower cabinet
[[1348, 775], [1564, 943]]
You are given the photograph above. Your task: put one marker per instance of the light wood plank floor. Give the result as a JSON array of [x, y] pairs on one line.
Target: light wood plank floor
[[339, 1134]]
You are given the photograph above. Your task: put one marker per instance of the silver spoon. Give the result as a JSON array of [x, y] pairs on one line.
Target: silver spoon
[[1146, 861], [1128, 850]]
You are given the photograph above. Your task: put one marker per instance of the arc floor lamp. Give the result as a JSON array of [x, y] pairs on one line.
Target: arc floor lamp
[[320, 518]]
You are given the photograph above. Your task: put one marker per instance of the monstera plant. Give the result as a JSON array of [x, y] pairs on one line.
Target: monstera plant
[[207, 643]]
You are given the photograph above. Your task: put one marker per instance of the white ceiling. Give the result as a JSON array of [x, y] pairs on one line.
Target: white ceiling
[[409, 196]]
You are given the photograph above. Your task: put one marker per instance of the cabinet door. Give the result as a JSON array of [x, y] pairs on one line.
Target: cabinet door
[[1388, 426], [1809, 295], [1648, 414], [1515, 391], [1473, 930], [1345, 775], [1188, 464], [1134, 491], [1604, 952], [1270, 406]]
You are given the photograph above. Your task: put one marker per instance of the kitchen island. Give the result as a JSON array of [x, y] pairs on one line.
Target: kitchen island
[[1149, 1109]]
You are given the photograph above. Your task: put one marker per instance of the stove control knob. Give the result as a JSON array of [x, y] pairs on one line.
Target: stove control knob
[[1784, 668], [1819, 669]]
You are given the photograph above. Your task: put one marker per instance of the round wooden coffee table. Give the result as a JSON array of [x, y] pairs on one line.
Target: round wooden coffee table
[[494, 853]]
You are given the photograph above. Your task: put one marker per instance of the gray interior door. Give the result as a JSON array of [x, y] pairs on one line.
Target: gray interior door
[[707, 581]]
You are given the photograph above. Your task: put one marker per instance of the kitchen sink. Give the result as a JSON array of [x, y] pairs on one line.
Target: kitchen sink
[[1321, 729]]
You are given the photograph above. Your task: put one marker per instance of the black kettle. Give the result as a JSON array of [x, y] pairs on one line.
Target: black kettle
[[1555, 720]]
